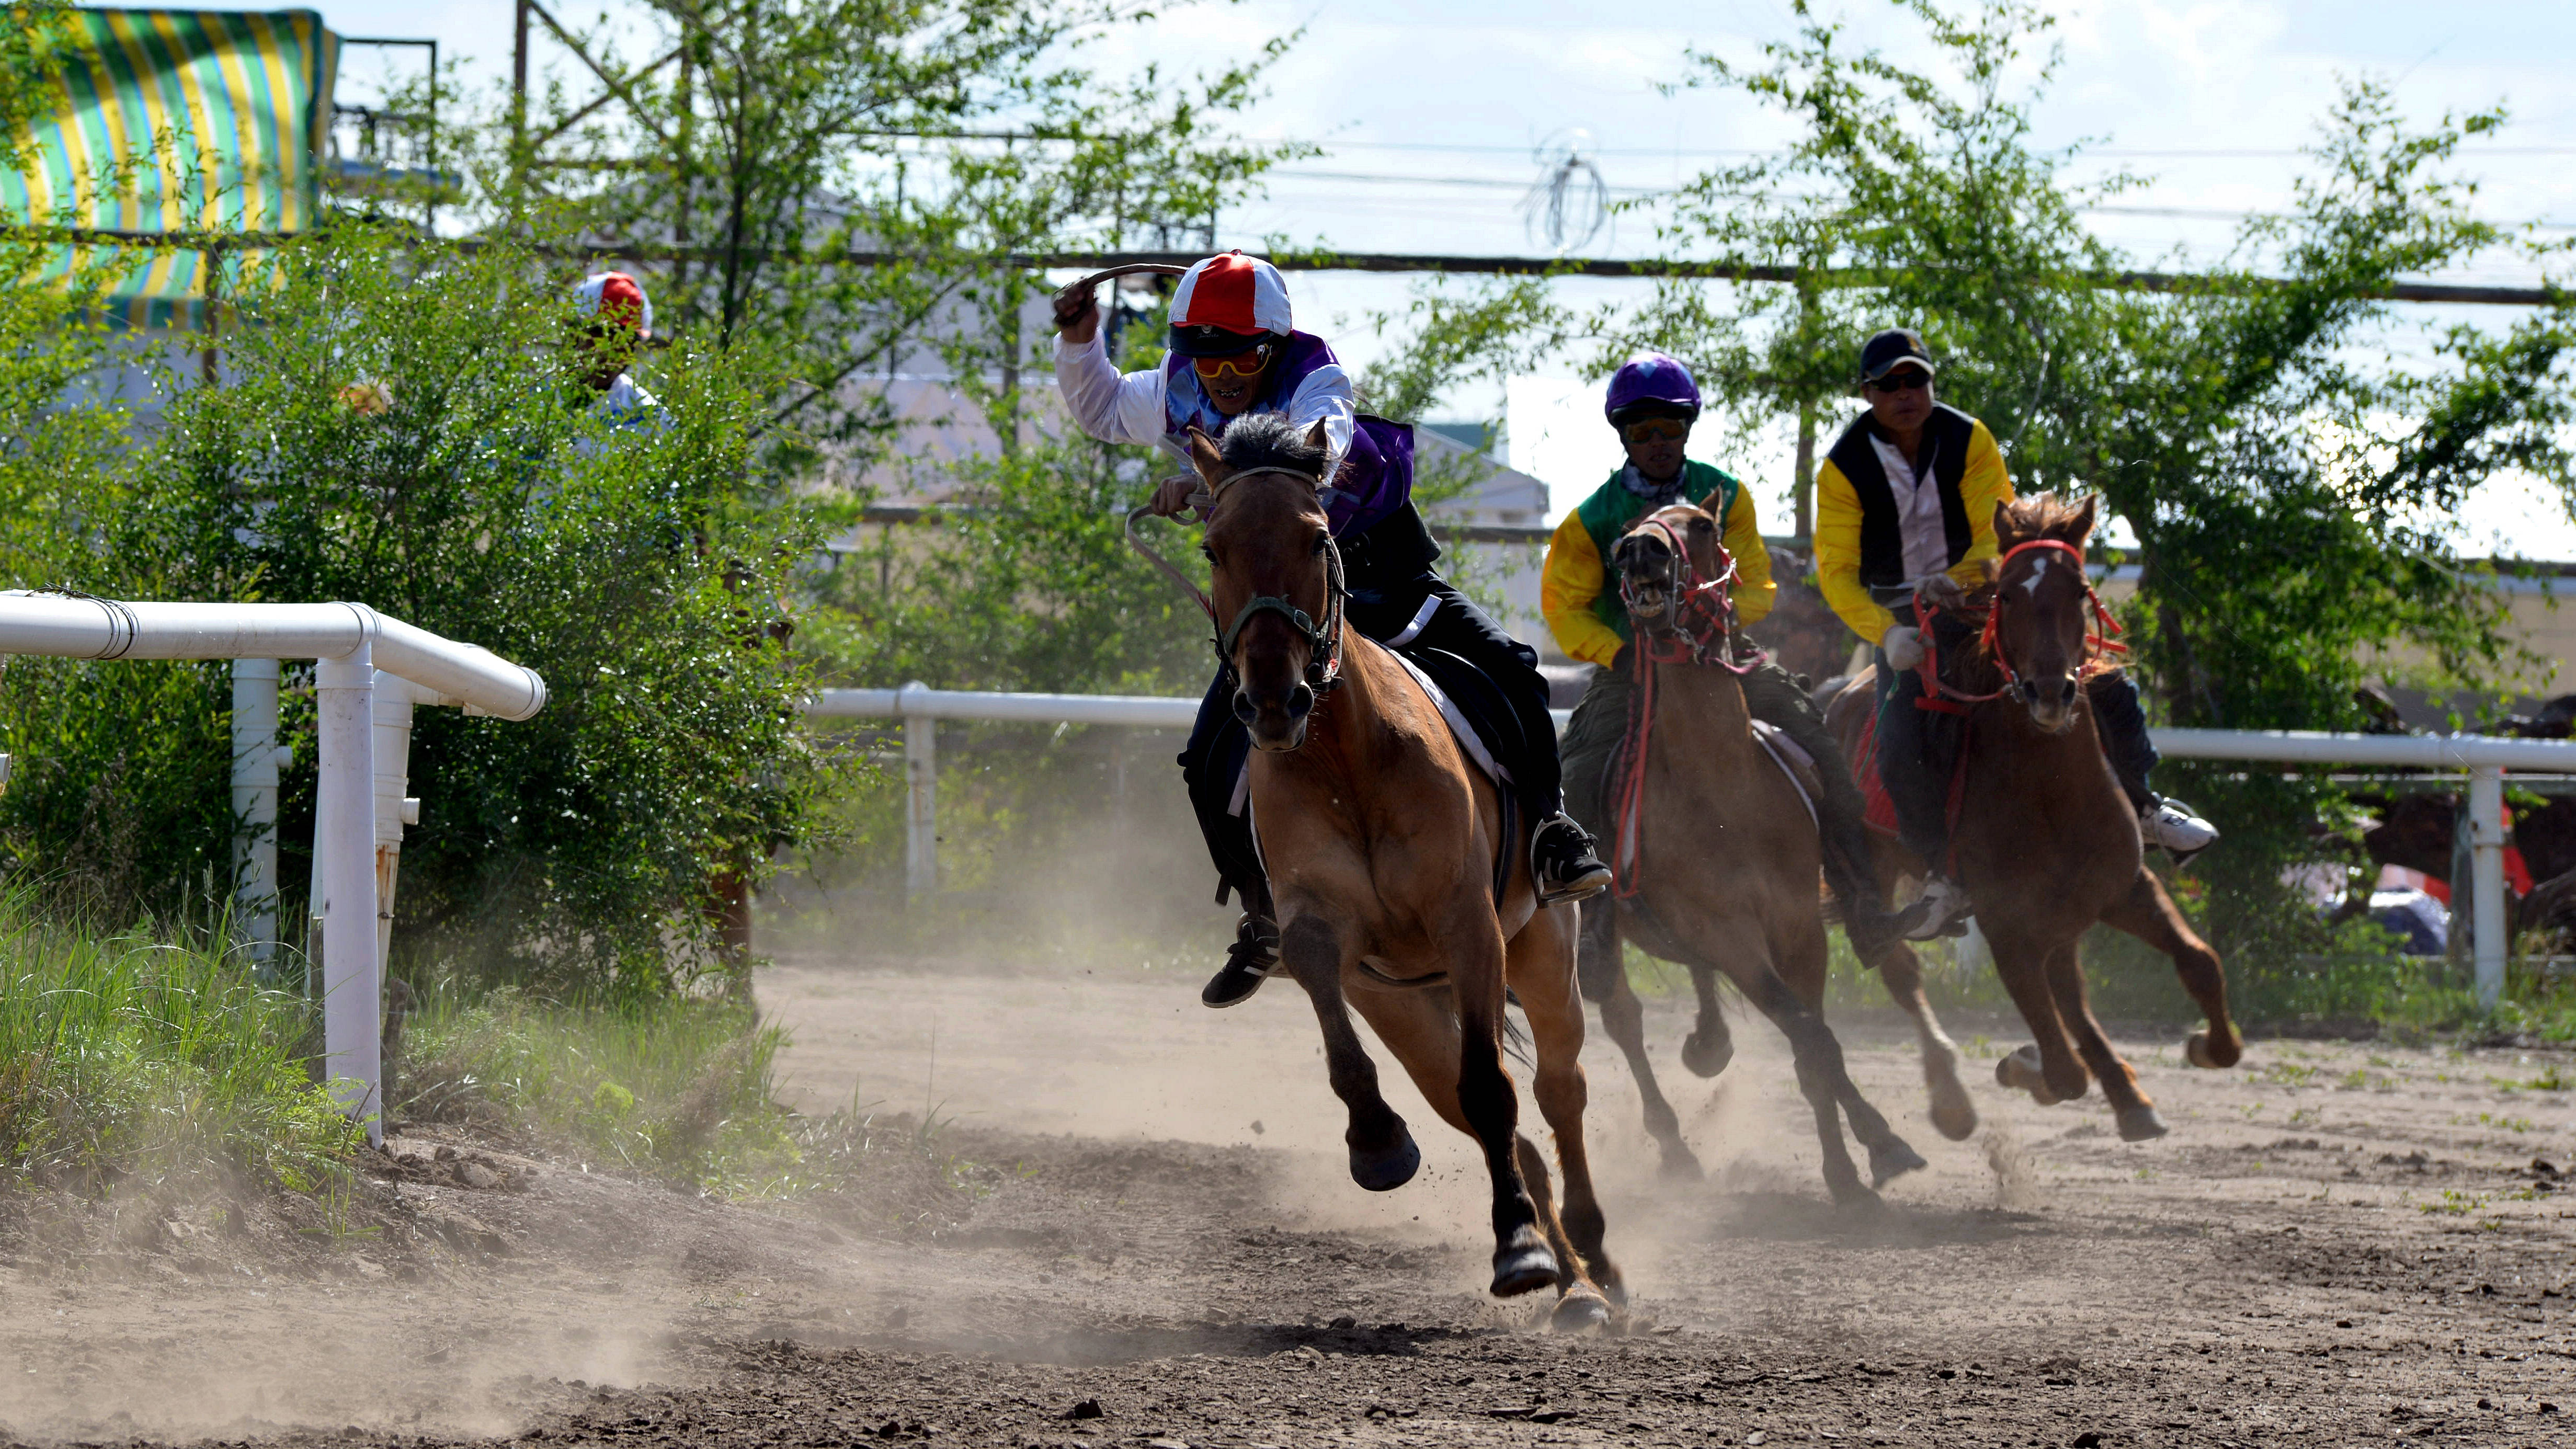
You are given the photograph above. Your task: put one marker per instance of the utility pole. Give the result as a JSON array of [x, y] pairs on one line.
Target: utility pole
[[519, 89]]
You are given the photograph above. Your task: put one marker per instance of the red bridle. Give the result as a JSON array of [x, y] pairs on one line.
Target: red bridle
[[2097, 641], [1703, 609]]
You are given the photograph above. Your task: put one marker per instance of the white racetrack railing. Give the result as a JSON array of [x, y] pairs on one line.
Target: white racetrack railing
[[2484, 758], [370, 671]]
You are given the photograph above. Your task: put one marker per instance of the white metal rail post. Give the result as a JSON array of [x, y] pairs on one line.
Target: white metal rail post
[[2484, 757], [921, 707], [350, 642]]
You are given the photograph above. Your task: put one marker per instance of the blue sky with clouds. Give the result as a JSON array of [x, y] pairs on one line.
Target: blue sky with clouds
[[1433, 114]]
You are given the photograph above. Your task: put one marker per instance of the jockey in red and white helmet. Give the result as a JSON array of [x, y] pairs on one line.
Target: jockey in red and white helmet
[[1234, 349]]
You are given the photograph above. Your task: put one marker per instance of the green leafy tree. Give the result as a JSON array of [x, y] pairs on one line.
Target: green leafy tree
[[410, 428]]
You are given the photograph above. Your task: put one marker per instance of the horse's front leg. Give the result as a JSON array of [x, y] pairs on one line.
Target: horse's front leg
[[1523, 1262], [1316, 951]]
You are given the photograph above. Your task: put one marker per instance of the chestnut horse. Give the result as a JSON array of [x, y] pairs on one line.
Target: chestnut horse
[[1382, 841], [1717, 854], [2046, 843]]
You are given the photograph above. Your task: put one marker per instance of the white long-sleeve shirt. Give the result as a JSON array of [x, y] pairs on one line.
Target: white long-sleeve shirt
[[1140, 407]]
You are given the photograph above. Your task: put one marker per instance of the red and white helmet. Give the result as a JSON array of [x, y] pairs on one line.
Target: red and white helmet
[[1226, 304], [617, 297]]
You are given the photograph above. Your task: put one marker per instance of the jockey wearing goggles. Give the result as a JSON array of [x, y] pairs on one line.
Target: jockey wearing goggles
[[1233, 349], [1905, 511], [1653, 402]]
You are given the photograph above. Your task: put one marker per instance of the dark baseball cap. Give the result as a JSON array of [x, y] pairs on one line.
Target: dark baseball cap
[[1891, 349]]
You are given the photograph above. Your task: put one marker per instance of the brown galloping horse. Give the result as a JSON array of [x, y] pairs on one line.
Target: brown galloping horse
[[1724, 871], [2046, 843], [1382, 841]]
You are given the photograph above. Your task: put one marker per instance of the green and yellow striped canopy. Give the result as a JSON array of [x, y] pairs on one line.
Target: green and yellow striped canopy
[[180, 121]]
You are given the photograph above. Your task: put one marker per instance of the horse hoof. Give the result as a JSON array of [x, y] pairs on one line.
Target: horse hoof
[[2200, 1053], [1524, 1267], [2141, 1124], [1579, 1310], [1953, 1115], [2021, 1072], [1704, 1057], [1892, 1159], [1681, 1166], [1387, 1168], [1851, 1197]]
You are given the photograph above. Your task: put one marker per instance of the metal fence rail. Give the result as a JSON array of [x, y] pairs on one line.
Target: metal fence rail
[[2484, 758]]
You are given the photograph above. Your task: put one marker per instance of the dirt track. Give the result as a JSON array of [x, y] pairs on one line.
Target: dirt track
[[2337, 1245]]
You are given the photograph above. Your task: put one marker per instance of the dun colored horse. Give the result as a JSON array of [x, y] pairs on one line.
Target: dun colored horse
[[1717, 854], [2045, 842], [1382, 842]]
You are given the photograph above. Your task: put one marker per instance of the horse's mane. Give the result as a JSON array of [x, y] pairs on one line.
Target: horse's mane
[[1270, 440], [2042, 515]]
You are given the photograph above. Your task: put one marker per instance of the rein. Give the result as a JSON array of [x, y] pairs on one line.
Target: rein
[[1703, 616], [1944, 698], [1323, 641]]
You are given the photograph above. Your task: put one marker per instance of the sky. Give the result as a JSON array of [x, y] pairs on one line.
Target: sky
[[1439, 117]]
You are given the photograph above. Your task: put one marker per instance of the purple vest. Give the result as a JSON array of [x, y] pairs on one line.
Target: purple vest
[[1376, 477]]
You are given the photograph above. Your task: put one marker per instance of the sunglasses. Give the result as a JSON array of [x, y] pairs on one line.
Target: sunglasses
[[1247, 363], [1906, 381], [1655, 430]]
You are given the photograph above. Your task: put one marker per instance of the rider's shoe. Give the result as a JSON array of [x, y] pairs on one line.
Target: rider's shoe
[[2171, 824], [1945, 910], [1562, 860], [1248, 963], [1870, 929]]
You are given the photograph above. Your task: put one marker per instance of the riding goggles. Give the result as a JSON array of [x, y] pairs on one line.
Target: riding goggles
[[1245, 364], [1655, 430]]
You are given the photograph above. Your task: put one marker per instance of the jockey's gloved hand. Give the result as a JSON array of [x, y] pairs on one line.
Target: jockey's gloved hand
[[1620, 661], [1939, 591], [1903, 647]]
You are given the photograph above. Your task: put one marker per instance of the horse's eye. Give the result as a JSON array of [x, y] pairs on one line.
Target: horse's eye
[[1207, 553], [1702, 525], [1321, 540]]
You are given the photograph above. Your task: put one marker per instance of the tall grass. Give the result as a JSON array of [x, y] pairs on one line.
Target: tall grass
[[675, 1087], [128, 1057]]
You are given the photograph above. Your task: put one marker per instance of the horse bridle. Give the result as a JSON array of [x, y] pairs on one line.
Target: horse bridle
[[1323, 641], [1938, 695], [1702, 610]]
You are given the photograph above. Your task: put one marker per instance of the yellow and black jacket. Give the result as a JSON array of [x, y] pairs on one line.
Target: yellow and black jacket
[[1860, 545], [1574, 593]]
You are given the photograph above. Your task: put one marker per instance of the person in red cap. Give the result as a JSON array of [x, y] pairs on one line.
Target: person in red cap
[[614, 320], [1234, 350]]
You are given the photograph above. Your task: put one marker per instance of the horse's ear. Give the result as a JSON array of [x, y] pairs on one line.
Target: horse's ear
[[2003, 525], [1204, 456], [1318, 439], [2081, 523]]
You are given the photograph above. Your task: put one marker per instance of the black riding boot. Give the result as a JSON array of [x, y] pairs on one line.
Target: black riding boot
[[1211, 765]]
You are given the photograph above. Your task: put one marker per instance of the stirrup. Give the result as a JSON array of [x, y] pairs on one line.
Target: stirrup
[[1946, 909]]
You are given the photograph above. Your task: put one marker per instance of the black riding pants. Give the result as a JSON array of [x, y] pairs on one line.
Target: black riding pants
[[1424, 612]]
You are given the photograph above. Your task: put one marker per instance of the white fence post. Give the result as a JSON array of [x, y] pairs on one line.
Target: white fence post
[[2486, 871], [256, 758], [344, 839], [921, 809]]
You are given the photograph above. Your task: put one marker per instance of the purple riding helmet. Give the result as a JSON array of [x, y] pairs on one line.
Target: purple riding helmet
[[1651, 384]]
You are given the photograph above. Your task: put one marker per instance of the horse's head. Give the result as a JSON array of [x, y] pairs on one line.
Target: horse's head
[[2043, 608], [1660, 559], [1276, 578]]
